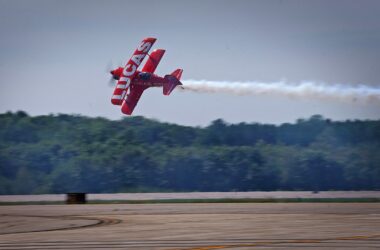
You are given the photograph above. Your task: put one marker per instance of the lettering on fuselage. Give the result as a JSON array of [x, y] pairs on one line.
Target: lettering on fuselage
[[131, 67]]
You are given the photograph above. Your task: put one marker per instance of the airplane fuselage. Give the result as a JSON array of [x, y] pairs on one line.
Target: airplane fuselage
[[149, 80], [142, 78]]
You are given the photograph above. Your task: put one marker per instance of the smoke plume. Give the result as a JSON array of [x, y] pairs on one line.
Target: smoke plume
[[307, 89]]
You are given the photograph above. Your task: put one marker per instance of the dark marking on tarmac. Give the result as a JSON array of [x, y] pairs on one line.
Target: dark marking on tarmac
[[98, 222]]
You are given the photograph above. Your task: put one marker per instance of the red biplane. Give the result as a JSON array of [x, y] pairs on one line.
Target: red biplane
[[131, 82]]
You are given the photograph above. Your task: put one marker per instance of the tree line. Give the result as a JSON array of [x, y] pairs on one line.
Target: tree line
[[70, 153]]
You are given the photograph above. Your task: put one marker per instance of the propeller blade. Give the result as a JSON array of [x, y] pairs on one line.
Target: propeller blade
[[111, 82], [109, 67]]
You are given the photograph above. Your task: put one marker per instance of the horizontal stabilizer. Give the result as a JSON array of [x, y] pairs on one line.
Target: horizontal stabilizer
[[177, 73]]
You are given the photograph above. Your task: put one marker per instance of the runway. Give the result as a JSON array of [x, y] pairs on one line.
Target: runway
[[191, 226]]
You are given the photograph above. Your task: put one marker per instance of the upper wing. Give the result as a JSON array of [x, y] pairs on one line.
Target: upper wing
[[132, 99], [130, 70], [153, 60]]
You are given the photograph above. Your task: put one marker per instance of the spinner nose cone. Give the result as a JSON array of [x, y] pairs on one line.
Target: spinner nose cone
[[114, 75]]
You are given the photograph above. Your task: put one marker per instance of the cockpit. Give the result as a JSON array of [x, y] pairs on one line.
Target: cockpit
[[144, 76]]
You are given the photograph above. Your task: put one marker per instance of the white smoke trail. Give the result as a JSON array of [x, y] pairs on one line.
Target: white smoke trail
[[302, 90]]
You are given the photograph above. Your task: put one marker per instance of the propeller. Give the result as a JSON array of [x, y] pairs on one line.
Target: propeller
[[111, 82], [109, 66], [108, 69]]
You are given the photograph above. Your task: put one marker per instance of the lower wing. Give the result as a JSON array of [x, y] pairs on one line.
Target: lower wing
[[132, 99]]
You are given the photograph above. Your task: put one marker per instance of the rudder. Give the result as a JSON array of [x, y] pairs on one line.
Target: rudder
[[172, 82]]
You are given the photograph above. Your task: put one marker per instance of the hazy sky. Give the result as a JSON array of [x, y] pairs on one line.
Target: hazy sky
[[53, 55]]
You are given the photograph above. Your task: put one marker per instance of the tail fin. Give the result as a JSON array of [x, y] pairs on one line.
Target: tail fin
[[172, 81], [177, 73]]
